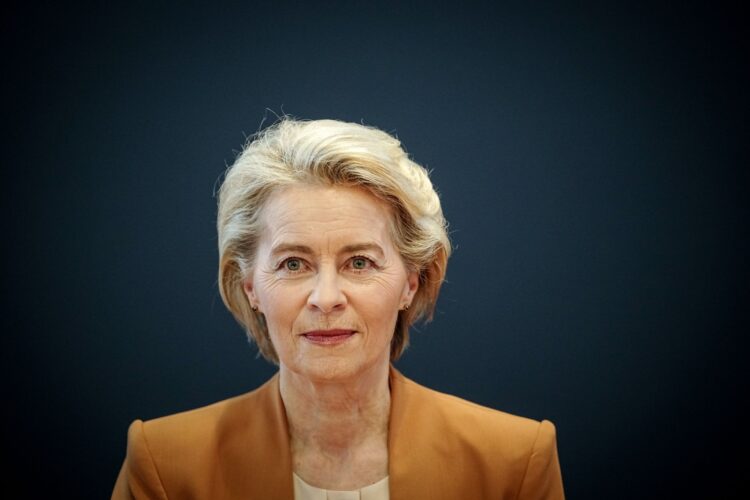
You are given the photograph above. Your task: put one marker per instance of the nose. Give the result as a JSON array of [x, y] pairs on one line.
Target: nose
[[327, 295]]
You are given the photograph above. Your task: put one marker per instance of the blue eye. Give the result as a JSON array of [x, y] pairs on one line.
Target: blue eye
[[293, 264], [360, 263]]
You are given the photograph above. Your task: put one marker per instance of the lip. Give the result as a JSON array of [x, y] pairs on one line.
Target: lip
[[328, 337]]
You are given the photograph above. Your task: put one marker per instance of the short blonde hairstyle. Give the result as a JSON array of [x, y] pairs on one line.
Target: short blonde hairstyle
[[329, 152]]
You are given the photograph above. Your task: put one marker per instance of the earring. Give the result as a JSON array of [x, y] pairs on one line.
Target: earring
[[255, 308], [406, 307]]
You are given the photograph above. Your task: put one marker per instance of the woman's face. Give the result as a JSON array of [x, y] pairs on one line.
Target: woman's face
[[329, 280]]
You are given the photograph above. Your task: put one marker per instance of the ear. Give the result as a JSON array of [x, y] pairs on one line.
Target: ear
[[411, 287], [249, 289]]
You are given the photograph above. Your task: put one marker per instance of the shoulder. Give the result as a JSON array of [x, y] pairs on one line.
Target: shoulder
[[178, 453], [461, 446], [205, 424], [466, 417]]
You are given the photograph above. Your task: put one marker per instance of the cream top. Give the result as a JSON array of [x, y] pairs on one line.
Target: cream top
[[303, 491]]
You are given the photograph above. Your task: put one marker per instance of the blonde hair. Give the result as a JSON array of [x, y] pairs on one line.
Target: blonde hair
[[329, 152]]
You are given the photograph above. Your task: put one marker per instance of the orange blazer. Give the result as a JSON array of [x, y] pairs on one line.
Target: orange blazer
[[439, 447]]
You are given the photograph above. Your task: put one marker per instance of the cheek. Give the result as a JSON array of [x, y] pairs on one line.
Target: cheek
[[281, 303], [387, 290], [378, 303], [280, 321], [272, 293], [277, 307]]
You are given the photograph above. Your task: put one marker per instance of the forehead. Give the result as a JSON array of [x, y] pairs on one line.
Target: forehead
[[313, 214]]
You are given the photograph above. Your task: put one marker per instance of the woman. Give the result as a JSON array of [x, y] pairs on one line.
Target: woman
[[332, 243]]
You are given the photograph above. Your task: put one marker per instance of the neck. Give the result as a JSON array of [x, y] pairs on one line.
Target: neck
[[336, 416]]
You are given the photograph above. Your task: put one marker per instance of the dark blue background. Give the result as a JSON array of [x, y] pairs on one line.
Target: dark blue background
[[590, 161]]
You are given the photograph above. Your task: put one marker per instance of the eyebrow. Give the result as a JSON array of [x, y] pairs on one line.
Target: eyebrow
[[360, 247], [291, 247], [304, 249]]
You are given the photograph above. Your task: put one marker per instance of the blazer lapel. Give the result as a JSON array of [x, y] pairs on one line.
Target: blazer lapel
[[417, 466], [258, 462]]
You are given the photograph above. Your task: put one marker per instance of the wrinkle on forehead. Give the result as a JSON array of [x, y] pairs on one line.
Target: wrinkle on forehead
[[326, 217]]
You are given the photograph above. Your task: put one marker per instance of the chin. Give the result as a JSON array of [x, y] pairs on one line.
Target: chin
[[331, 369]]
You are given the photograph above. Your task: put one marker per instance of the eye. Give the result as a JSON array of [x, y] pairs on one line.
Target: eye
[[292, 264], [361, 263]]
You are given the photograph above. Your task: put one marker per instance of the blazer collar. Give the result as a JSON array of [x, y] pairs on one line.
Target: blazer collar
[[413, 451], [408, 452], [261, 459]]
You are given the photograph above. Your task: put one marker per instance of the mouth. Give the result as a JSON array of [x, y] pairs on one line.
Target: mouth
[[328, 337]]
